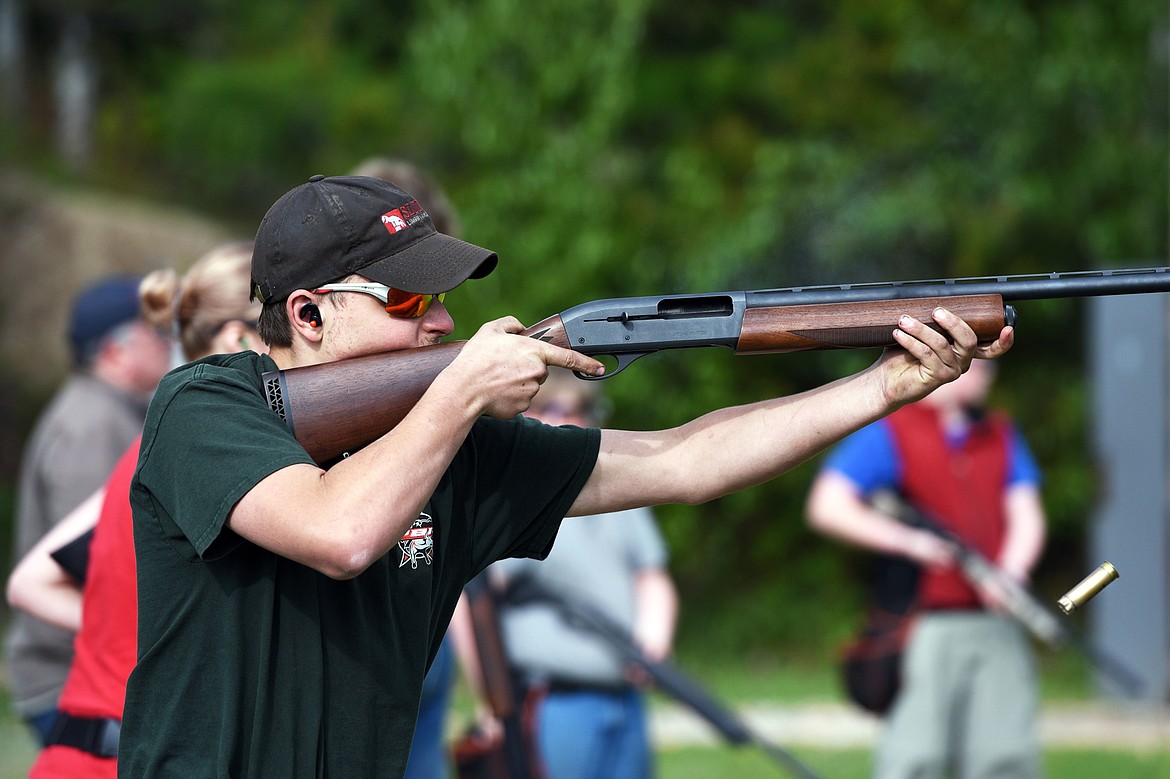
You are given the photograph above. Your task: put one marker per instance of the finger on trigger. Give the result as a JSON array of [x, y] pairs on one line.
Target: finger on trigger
[[574, 361]]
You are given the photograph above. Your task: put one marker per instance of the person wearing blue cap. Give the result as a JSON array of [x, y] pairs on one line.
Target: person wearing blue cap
[[118, 360]]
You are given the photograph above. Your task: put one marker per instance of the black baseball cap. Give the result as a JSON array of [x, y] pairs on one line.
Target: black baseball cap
[[331, 227]]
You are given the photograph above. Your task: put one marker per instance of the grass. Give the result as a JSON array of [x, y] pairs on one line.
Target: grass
[[17, 748], [719, 762], [17, 752], [1064, 677], [761, 678]]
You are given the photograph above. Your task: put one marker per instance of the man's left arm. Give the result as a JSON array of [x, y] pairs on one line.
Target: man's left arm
[[735, 448]]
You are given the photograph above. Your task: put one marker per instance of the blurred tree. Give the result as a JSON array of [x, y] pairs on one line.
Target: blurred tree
[[13, 62], [629, 147]]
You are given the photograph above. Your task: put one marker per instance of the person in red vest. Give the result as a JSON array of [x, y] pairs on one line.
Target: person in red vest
[[89, 556], [967, 698]]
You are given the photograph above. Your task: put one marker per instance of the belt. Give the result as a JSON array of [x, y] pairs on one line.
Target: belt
[[566, 686], [95, 735]]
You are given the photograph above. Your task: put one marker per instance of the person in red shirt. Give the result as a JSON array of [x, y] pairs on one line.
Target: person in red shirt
[[967, 702], [89, 557]]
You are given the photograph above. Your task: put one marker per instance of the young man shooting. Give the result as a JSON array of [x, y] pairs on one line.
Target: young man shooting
[[288, 612]]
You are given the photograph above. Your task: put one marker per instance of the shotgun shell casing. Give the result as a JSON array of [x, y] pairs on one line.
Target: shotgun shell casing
[[1087, 588]]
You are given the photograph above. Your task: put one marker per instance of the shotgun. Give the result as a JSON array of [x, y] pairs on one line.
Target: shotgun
[[331, 415], [667, 677], [516, 756], [1020, 602]]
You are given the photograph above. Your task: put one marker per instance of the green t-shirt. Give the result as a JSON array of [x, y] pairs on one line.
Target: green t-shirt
[[250, 664]]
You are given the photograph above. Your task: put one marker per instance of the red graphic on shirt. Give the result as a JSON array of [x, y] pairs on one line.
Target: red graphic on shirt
[[416, 543]]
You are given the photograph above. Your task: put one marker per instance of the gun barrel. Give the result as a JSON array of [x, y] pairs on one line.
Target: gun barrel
[[1038, 286]]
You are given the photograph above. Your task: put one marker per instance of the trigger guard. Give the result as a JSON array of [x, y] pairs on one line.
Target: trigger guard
[[623, 362]]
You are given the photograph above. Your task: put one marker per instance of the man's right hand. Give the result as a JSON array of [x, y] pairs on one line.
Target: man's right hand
[[501, 370]]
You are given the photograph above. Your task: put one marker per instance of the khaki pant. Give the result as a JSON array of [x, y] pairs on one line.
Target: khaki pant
[[967, 707]]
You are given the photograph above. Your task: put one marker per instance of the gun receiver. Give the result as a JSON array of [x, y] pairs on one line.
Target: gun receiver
[[337, 407]]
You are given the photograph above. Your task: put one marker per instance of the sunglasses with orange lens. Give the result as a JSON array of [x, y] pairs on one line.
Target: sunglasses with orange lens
[[408, 305]]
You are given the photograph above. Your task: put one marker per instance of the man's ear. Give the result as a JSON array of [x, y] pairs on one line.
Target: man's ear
[[304, 315]]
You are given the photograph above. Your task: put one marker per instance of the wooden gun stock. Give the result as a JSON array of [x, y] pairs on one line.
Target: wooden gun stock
[[336, 408], [339, 407], [785, 329], [517, 755]]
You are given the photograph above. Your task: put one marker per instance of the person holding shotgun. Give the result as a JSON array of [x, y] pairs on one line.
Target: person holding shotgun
[[966, 703], [591, 718], [288, 610]]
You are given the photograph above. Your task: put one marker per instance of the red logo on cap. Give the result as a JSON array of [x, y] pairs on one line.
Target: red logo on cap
[[403, 217], [393, 221]]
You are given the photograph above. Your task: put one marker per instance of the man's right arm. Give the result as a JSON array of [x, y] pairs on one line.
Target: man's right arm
[[339, 521]]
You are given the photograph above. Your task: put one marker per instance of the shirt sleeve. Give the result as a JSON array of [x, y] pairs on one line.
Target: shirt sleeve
[[524, 477], [207, 442], [73, 556], [868, 458], [1024, 469]]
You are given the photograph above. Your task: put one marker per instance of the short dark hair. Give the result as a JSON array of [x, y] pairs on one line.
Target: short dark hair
[[273, 325]]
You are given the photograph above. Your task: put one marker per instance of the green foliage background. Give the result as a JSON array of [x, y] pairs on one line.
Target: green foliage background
[[627, 147]]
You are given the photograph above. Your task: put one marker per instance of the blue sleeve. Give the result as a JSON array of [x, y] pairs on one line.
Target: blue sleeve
[[1023, 469], [867, 458]]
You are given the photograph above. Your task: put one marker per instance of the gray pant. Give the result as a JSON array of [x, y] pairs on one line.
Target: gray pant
[[967, 707]]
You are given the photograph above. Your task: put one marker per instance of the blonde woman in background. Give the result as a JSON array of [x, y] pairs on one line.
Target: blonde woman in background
[[89, 556]]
